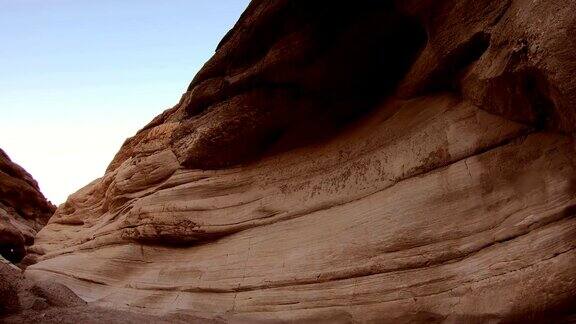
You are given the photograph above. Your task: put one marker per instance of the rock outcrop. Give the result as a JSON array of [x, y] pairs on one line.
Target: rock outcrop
[[368, 161], [23, 209], [24, 300]]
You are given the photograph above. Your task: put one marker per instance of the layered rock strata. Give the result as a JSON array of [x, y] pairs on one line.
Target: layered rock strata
[[24, 300], [374, 161], [23, 209]]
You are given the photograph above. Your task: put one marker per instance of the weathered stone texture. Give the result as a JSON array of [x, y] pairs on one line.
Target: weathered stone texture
[[23, 209], [367, 161]]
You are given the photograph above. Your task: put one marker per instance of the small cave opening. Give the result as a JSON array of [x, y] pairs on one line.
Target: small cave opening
[[12, 244], [13, 253]]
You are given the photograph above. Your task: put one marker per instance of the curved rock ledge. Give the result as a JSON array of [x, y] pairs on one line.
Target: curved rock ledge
[[369, 162]]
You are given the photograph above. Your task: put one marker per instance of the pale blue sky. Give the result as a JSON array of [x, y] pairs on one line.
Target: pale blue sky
[[79, 76]]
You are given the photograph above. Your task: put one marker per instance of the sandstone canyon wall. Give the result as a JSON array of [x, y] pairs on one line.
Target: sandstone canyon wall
[[366, 161], [23, 300], [23, 209]]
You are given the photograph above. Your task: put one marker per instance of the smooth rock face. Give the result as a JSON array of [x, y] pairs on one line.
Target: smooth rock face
[[23, 209], [365, 161], [24, 300]]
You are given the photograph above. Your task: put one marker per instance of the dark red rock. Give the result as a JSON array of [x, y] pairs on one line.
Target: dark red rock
[[23, 209]]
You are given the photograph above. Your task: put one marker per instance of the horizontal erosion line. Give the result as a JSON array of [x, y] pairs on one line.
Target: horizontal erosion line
[[345, 276], [241, 226], [204, 236]]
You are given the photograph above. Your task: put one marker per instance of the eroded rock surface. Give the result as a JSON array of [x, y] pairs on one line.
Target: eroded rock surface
[[23, 209], [367, 161], [24, 300]]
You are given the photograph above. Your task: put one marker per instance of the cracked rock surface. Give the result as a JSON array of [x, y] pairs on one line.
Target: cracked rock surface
[[342, 162]]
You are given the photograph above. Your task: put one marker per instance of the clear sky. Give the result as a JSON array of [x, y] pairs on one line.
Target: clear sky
[[77, 77]]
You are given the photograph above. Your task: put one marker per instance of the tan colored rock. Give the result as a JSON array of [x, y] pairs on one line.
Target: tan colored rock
[[368, 162], [23, 300]]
